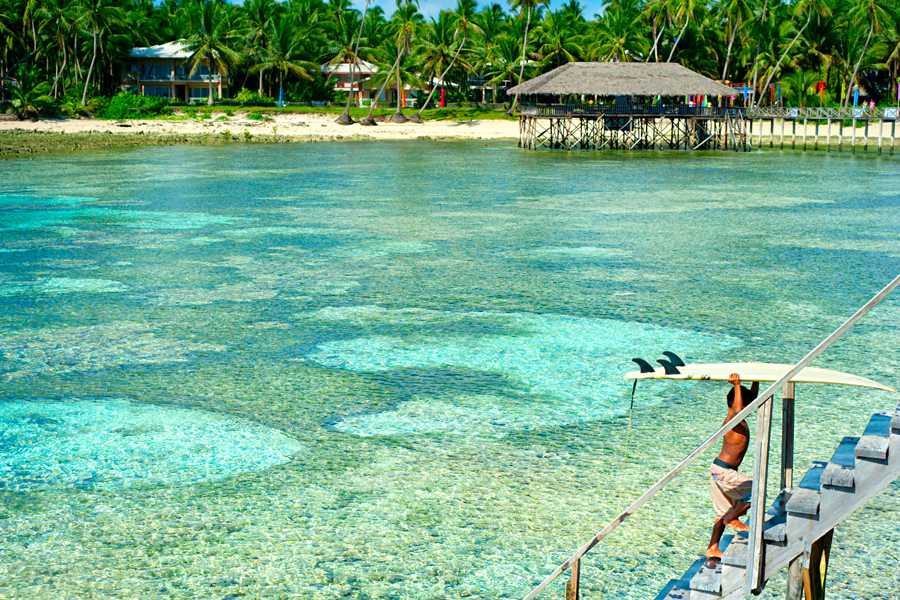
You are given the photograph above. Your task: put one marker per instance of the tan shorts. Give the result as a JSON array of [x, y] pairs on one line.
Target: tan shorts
[[728, 488]]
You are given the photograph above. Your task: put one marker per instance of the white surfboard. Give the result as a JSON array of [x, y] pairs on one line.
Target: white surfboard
[[759, 372]]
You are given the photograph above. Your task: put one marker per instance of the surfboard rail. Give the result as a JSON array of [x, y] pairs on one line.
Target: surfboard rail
[[762, 372]]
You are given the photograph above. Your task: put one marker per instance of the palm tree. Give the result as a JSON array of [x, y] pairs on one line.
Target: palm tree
[[58, 17], [617, 38], [258, 15], [736, 13], [284, 51], [464, 16], [807, 6], [525, 6], [876, 14], [344, 118], [30, 94], [98, 15], [685, 9], [405, 22], [210, 41]]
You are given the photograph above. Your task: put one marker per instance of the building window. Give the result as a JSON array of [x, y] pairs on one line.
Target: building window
[[162, 92]]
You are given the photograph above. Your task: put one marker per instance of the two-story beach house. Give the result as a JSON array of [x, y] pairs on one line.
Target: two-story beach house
[[165, 71]]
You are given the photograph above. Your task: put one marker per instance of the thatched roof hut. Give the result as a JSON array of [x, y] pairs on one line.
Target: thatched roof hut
[[621, 79]]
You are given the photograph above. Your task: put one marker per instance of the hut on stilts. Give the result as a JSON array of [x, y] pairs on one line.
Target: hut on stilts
[[593, 105]]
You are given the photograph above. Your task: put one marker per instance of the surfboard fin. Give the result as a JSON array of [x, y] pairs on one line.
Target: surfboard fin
[[674, 358], [644, 365], [669, 367]]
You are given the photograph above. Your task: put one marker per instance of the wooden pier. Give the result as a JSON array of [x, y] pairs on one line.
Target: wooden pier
[[683, 127], [869, 129], [633, 127]]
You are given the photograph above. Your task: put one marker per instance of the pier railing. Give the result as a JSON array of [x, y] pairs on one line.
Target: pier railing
[[768, 112], [577, 110], [755, 567], [816, 112]]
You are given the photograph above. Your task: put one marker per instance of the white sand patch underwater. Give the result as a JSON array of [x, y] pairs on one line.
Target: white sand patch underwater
[[559, 369], [116, 442]]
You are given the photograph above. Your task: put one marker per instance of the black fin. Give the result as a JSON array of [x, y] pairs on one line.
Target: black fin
[[669, 367], [644, 365], [674, 358]]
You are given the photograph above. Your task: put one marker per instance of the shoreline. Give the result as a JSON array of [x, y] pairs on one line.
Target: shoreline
[[20, 139]]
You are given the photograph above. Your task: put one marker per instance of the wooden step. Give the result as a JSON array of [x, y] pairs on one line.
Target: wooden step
[[840, 469], [805, 497], [676, 591], [876, 439], [735, 554], [895, 421], [708, 578]]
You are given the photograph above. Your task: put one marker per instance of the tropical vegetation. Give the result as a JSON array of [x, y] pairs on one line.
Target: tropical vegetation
[[68, 53]]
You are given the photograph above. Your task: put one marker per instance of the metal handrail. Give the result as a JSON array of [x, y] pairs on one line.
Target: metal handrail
[[817, 112], [715, 437]]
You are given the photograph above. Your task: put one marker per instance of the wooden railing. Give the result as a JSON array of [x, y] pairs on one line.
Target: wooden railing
[[768, 112], [815, 112], [575, 110], [755, 570]]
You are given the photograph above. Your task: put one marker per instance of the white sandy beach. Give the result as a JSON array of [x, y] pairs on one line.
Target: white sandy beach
[[288, 124]]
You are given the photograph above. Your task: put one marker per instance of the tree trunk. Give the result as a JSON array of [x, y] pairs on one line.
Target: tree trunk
[[209, 76], [762, 17], [859, 62], [399, 117], [417, 118], [87, 80], [368, 120], [655, 49], [512, 107], [784, 54], [687, 19], [260, 92], [344, 118], [728, 53]]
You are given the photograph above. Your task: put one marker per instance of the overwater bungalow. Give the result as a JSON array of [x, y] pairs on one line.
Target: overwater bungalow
[[628, 105]]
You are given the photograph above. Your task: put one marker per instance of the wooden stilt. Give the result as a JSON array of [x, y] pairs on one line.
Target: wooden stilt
[[880, 134], [893, 126], [817, 134], [793, 134], [782, 133], [866, 136], [771, 133], [853, 139], [815, 566], [794, 589], [572, 584], [805, 123], [841, 136], [828, 138], [755, 563]]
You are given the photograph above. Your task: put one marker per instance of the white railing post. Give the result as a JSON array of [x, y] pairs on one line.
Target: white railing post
[[756, 556]]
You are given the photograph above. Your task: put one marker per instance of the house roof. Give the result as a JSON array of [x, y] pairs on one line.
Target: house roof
[[622, 79], [344, 68], [174, 49]]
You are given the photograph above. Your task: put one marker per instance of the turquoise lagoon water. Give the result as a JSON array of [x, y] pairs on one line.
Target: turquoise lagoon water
[[395, 370]]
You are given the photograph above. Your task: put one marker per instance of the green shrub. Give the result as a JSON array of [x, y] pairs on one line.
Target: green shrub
[[221, 118], [247, 135], [246, 96], [225, 134], [229, 112], [255, 117], [204, 115], [126, 105], [191, 111]]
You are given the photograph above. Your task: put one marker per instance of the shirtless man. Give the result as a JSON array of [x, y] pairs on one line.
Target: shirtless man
[[731, 489]]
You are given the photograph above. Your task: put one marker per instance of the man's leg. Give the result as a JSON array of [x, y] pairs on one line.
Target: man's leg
[[718, 529], [731, 519]]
